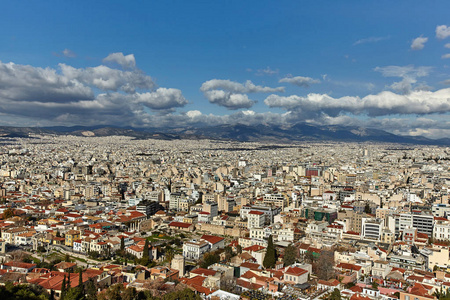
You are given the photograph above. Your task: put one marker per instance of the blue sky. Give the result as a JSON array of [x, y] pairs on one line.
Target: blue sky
[[382, 64]]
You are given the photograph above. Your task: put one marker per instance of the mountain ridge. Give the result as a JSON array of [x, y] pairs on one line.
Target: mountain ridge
[[238, 132]]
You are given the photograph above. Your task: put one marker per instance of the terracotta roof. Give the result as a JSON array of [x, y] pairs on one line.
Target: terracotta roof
[[212, 238], [348, 266], [204, 272], [180, 224], [296, 271]]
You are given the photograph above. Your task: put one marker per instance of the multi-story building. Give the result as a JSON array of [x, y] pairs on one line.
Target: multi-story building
[[195, 248], [371, 228], [212, 208], [149, 208], [269, 212], [71, 236], [279, 200], [255, 219], [441, 230]]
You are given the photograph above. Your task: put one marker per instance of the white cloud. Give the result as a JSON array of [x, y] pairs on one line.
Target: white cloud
[[267, 71], [419, 43], [231, 94], [229, 100], [404, 71], [447, 82], [372, 39], [70, 95], [27, 83], [447, 45], [384, 103], [162, 98], [409, 75], [68, 53], [193, 113], [300, 81], [126, 61], [236, 87], [446, 56], [442, 32], [109, 79]]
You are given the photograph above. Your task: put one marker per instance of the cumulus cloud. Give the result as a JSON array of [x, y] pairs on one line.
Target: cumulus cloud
[[446, 56], [229, 100], [419, 43], [384, 103], [447, 45], [193, 113], [162, 98], [447, 82], [126, 61], [27, 83], [431, 128], [109, 79], [442, 32], [94, 95], [409, 75], [300, 81], [231, 94]]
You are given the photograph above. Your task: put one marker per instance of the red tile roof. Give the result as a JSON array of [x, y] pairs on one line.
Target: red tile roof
[[212, 238], [295, 271]]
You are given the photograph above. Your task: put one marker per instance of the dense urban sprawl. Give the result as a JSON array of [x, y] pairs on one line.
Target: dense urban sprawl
[[108, 217]]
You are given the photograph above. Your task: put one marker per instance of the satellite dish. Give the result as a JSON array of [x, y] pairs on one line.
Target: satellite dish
[[277, 226]]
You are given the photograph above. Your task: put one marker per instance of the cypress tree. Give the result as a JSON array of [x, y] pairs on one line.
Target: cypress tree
[[145, 254], [52, 295], [63, 288], [68, 282], [270, 258], [80, 283]]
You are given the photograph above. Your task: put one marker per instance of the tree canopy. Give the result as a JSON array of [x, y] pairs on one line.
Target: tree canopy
[[271, 256]]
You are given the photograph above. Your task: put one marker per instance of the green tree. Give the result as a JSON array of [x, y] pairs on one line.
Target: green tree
[[91, 290], [208, 259], [68, 282], [80, 282], [169, 255], [63, 288], [335, 295], [367, 209], [290, 255], [145, 251], [52, 295], [271, 256]]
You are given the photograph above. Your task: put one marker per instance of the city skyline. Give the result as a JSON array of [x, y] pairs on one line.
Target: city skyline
[[382, 65]]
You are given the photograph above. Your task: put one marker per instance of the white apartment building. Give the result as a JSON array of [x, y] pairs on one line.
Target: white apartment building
[[194, 249], [255, 219], [441, 230], [371, 228]]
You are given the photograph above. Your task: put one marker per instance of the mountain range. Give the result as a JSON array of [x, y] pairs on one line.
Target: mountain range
[[244, 133]]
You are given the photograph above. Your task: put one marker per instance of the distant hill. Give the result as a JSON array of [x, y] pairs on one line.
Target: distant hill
[[239, 132]]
